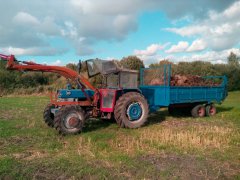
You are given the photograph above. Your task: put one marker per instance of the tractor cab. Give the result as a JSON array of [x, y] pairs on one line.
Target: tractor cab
[[116, 81], [114, 75]]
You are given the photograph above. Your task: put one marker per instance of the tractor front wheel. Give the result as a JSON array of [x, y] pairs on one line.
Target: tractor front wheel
[[69, 120], [131, 110], [48, 116]]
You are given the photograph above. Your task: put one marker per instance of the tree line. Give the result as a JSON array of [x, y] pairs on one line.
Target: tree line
[[37, 82]]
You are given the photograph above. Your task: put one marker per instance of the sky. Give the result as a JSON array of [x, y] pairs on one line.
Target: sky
[[58, 32]]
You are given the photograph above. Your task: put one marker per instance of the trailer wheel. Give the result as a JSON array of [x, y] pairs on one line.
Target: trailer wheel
[[48, 116], [211, 110], [131, 110], [198, 111], [69, 120]]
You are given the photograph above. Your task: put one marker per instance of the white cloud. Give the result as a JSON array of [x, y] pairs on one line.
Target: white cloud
[[32, 51], [70, 30], [150, 50], [197, 45], [151, 59], [25, 19], [232, 11], [47, 26], [189, 30], [219, 31], [122, 22], [180, 47], [28, 24], [222, 29], [56, 63], [210, 56]]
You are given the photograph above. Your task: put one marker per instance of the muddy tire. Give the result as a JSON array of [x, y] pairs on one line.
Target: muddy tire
[[131, 110], [211, 110], [198, 111], [48, 116], [69, 120]]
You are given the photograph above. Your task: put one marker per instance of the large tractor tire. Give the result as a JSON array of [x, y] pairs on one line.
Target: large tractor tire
[[198, 111], [211, 110], [48, 116], [69, 120], [131, 110]]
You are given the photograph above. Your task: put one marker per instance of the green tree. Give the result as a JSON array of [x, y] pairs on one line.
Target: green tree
[[233, 72], [161, 62], [233, 59], [72, 66], [132, 62]]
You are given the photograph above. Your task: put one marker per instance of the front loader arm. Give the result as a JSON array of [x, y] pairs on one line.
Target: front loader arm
[[13, 64]]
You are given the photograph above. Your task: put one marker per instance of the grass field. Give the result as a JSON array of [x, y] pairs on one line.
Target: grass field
[[171, 147]]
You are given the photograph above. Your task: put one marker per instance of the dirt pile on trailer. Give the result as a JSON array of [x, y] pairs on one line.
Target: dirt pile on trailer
[[185, 80], [191, 80]]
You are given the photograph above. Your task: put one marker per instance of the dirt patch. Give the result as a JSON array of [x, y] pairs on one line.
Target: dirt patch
[[6, 114], [195, 137], [45, 174], [191, 167], [176, 123], [16, 140], [2, 142], [179, 123], [30, 155]]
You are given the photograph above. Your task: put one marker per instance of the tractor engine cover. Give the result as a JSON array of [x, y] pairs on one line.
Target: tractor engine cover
[[74, 94]]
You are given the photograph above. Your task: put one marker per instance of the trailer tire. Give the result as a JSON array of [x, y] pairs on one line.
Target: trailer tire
[[48, 116], [69, 120], [211, 110], [131, 110], [198, 111]]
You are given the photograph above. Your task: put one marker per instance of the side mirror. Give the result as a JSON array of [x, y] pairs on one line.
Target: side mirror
[[79, 66]]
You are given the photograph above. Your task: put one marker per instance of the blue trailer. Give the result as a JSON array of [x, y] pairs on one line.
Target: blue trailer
[[199, 99]]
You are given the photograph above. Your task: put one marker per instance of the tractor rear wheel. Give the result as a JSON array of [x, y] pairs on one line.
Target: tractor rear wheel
[[198, 111], [69, 120], [131, 110], [211, 110], [48, 116]]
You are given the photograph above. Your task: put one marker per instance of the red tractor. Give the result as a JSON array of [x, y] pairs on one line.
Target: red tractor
[[118, 98]]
